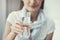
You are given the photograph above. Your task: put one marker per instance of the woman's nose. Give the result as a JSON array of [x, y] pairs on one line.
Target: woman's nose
[[32, 1]]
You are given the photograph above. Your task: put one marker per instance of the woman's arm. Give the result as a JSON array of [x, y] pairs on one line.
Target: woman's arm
[[8, 35], [12, 30], [49, 36]]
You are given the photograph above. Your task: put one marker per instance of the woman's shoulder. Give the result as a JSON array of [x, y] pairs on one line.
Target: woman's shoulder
[[50, 21], [13, 16], [50, 25], [14, 13]]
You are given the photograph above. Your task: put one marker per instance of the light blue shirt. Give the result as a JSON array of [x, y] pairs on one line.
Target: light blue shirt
[[47, 28]]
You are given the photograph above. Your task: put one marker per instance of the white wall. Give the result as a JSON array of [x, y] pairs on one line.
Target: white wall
[[2, 16], [52, 10], [12, 5], [6, 6]]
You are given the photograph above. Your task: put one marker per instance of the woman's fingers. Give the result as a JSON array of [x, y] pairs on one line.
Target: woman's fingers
[[18, 27], [18, 23], [16, 30], [21, 24]]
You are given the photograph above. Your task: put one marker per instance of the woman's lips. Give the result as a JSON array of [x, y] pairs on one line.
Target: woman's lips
[[33, 6]]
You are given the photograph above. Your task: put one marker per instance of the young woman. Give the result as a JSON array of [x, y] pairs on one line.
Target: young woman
[[41, 27]]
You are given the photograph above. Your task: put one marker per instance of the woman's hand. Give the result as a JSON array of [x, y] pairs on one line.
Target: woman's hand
[[18, 27], [12, 30]]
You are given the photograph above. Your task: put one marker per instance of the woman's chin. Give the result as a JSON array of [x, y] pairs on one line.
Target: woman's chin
[[32, 10]]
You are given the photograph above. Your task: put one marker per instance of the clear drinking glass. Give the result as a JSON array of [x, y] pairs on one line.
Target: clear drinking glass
[[26, 20]]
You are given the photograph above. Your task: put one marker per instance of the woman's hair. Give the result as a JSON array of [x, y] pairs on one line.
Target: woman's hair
[[42, 6], [22, 4]]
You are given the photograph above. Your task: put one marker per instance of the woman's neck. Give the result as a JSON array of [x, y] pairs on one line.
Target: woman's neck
[[34, 16]]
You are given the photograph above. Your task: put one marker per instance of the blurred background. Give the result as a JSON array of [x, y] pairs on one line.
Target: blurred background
[[51, 9]]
